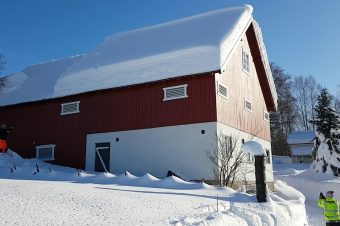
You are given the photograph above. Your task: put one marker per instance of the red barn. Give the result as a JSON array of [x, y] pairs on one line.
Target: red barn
[[148, 100]]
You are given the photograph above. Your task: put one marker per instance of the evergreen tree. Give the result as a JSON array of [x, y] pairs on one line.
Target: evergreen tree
[[326, 145], [327, 119]]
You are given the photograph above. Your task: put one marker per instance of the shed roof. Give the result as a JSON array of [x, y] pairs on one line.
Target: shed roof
[[301, 137], [192, 45]]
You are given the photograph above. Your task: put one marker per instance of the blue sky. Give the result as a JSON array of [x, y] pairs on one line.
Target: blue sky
[[302, 36]]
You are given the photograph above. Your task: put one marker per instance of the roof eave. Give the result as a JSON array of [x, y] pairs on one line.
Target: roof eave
[[262, 67]]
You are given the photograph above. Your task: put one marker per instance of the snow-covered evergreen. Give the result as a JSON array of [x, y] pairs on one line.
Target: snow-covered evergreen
[[326, 144]]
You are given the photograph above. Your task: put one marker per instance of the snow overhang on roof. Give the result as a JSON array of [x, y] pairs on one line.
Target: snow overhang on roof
[[301, 137], [187, 46], [35, 82]]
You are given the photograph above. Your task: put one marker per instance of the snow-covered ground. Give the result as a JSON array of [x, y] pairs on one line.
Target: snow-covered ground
[[304, 179], [63, 196]]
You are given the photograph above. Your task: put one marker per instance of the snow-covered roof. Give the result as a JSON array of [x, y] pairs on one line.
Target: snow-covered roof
[[192, 45], [35, 82], [301, 137]]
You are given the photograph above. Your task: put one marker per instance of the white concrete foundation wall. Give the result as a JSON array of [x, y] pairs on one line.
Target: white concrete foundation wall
[[181, 149], [248, 172]]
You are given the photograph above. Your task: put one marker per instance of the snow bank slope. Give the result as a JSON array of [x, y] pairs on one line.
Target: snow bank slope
[[64, 196], [285, 207], [12, 166], [309, 183]]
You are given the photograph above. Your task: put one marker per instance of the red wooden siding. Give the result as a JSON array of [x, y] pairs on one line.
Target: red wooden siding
[[128, 108]]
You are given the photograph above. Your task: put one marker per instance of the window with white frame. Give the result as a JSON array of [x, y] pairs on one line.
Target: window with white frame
[[266, 116], [175, 92], [222, 90], [248, 105], [70, 108], [245, 61], [45, 152]]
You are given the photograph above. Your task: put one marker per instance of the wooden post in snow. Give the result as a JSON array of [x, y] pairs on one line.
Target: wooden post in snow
[[260, 176], [256, 149]]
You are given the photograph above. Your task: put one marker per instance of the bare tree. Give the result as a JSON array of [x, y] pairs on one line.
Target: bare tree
[[283, 120], [305, 90], [3, 80], [302, 103], [227, 159], [314, 91]]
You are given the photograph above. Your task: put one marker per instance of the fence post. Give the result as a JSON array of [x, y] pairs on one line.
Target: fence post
[[256, 149]]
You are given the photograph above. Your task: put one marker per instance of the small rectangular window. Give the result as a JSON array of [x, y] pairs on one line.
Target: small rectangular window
[[70, 108], [175, 92], [45, 152], [245, 61], [248, 105], [266, 116], [222, 90]]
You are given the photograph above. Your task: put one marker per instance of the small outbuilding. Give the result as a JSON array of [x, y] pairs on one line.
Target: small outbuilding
[[301, 146]]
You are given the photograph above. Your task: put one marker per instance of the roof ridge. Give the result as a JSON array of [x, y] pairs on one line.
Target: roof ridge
[[249, 8]]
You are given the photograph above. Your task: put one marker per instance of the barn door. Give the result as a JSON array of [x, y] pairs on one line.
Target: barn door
[[102, 157]]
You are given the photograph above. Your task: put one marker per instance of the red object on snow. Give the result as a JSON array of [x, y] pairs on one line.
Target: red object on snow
[[3, 146]]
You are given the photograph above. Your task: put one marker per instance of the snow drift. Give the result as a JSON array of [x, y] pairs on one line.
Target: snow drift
[[79, 198], [302, 177]]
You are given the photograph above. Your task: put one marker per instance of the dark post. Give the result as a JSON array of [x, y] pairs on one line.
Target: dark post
[[260, 175]]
